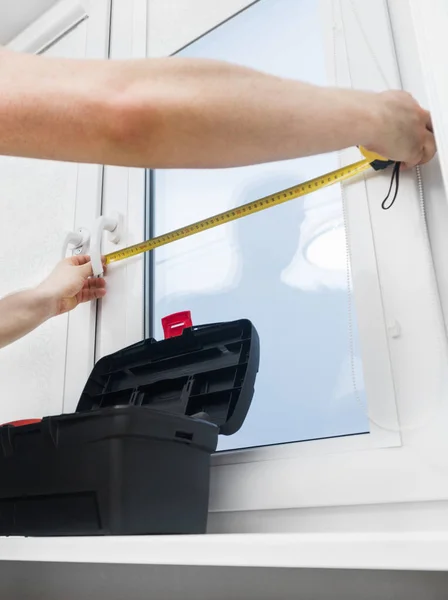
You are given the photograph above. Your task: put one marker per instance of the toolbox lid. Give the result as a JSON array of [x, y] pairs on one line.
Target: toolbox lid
[[208, 372]]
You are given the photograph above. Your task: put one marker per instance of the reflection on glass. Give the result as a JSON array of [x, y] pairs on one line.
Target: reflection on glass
[[284, 268]]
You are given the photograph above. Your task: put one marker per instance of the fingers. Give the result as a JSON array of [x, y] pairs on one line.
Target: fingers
[[82, 261], [86, 269], [95, 283], [426, 154], [94, 289], [90, 294], [79, 260], [429, 144], [428, 120], [429, 151], [406, 166]]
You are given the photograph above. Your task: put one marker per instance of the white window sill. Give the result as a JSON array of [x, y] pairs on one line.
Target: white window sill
[[379, 551]]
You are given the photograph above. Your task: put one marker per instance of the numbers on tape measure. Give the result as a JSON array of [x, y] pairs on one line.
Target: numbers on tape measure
[[237, 213]]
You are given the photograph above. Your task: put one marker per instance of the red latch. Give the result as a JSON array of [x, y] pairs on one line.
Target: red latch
[[22, 422], [173, 325]]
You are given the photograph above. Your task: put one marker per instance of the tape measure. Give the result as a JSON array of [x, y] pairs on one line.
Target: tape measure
[[371, 160]]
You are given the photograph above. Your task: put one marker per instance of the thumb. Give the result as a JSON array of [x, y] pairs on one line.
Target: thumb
[[85, 270]]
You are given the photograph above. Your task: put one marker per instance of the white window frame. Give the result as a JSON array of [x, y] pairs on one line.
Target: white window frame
[[385, 467], [429, 27], [121, 314], [82, 323]]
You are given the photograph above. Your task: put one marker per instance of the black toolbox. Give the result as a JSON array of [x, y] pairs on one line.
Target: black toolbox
[[135, 457]]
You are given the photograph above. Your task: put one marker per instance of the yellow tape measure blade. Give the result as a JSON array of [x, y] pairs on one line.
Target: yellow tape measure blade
[[292, 193]]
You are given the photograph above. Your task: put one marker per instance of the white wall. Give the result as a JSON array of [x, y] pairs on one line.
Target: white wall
[[40, 202], [15, 16]]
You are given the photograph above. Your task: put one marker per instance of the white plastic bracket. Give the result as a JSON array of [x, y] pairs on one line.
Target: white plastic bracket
[[113, 225], [78, 239], [394, 329]]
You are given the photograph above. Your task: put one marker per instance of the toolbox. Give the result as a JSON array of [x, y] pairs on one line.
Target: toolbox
[[134, 458]]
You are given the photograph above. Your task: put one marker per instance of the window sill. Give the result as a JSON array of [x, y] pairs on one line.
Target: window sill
[[379, 551]]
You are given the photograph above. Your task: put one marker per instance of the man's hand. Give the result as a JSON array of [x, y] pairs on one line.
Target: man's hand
[[403, 131], [70, 284]]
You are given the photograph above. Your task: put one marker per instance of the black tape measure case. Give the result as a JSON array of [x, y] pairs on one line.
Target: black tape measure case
[[135, 457]]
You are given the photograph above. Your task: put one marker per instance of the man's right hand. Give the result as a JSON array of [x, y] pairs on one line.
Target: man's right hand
[[403, 130]]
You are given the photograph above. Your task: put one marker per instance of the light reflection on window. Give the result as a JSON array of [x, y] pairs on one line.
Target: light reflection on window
[[284, 268]]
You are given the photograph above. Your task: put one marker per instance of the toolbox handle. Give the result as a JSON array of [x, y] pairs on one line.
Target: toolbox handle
[[173, 325]]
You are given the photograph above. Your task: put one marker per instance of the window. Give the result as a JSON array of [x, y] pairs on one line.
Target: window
[[398, 326], [285, 269]]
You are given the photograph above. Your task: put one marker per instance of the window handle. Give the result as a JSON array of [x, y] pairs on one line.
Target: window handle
[[79, 241], [113, 225]]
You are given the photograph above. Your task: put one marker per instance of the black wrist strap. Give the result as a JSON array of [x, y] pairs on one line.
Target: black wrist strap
[[395, 180]]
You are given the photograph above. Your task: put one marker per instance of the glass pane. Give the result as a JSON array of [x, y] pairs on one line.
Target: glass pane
[[284, 268]]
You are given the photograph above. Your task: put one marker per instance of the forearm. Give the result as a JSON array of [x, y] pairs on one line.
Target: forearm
[[50, 109], [20, 313], [213, 114], [170, 112]]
